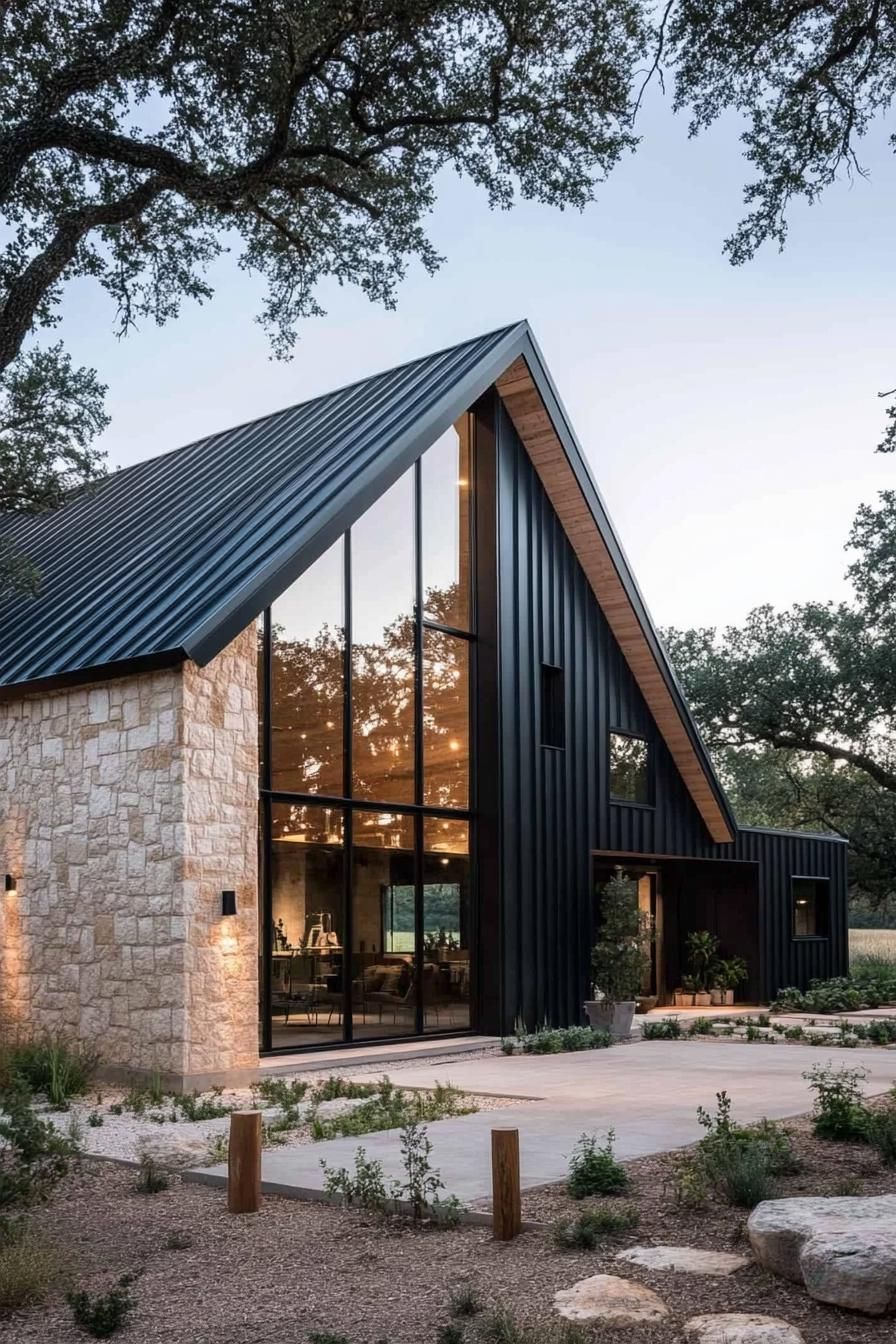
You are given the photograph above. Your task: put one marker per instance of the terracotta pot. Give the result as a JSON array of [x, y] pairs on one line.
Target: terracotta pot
[[683, 1000], [716, 996], [729, 996], [703, 999]]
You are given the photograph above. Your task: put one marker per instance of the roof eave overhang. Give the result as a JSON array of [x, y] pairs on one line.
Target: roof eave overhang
[[85, 676], [532, 402]]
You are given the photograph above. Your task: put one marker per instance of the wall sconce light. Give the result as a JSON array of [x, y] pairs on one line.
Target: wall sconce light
[[228, 902], [10, 885]]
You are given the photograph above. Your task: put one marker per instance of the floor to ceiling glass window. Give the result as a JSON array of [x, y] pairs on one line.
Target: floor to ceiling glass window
[[365, 673]]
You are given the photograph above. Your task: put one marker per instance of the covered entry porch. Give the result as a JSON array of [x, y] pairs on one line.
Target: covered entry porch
[[684, 896]]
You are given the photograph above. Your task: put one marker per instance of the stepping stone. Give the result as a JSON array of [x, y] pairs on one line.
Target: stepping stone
[[737, 1327], [685, 1259], [842, 1249], [339, 1106], [605, 1297], [174, 1151]]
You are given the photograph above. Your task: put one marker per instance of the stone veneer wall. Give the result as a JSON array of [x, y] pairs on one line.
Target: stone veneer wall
[[126, 807]]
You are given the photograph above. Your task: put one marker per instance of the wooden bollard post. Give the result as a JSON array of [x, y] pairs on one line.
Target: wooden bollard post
[[244, 1162], [507, 1214]]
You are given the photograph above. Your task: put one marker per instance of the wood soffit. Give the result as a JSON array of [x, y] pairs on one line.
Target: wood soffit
[[535, 427]]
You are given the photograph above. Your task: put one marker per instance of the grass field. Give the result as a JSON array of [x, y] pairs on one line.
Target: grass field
[[879, 944]]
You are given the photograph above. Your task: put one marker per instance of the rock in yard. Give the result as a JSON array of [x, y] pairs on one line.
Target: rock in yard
[[330, 1110], [842, 1249], [685, 1259], [604, 1297], [736, 1327]]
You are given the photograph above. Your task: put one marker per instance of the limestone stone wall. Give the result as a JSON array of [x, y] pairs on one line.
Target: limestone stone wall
[[126, 807]]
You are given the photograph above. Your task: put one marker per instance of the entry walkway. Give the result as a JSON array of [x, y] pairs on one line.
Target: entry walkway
[[648, 1092]]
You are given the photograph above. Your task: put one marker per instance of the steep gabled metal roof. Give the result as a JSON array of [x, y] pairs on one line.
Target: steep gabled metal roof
[[172, 558]]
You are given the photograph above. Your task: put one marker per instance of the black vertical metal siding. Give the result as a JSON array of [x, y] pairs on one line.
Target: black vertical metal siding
[[555, 807]]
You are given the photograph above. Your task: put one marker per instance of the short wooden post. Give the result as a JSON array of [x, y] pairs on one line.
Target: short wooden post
[[244, 1162], [507, 1214]]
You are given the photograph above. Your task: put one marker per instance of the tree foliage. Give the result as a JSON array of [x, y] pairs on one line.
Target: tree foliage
[[799, 706]]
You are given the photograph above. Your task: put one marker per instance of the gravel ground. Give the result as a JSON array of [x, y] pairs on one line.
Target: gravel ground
[[121, 1136], [298, 1267]]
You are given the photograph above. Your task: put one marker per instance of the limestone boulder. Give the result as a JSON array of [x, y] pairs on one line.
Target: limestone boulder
[[842, 1249], [741, 1327], [606, 1297], [685, 1260]]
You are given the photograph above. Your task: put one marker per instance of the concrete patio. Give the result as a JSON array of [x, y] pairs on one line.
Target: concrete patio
[[648, 1092]]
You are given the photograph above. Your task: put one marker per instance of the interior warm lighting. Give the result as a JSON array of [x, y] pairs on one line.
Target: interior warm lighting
[[228, 902], [454, 745], [10, 884]]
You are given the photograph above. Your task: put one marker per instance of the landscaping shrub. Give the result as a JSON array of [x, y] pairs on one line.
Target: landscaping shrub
[[329, 1090], [867, 987], [151, 1179], [592, 1227], [28, 1270], [882, 1134], [33, 1154], [556, 1041], [593, 1170], [420, 1188], [667, 1030], [840, 1112], [103, 1315], [391, 1108], [499, 1327], [452, 1333], [464, 1301], [702, 1026], [54, 1066], [194, 1107], [739, 1163]]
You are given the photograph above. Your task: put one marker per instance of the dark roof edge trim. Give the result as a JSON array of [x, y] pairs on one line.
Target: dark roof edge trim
[[594, 499], [790, 833], [208, 639], [86, 676]]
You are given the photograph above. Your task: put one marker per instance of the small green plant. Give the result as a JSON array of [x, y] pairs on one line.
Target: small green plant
[[116, 1108], [451, 1333], [464, 1301], [103, 1315], [499, 1327], [592, 1227], [741, 1163], [702, 1026], [35, 1154], [55, 1066], [848, 1187], [420, 1188], [840, 1113], [689, 1183], [794, 1033], [283, 1092], [763, 1020], [366, 1189], [151, 1179], [557, 1040], [702, 949], [219, 1148], [667, 1030], [593, 1170], [95, 1120], [192, 1106], [389, 1107], [178, 1241], [881, 1128], [29, 1269]]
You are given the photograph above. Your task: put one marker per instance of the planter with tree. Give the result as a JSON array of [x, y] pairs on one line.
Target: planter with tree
[[729, 973], [620, 958], [703, 959]]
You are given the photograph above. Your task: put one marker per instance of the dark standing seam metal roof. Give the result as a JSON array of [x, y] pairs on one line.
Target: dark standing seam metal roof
[[173, 557]]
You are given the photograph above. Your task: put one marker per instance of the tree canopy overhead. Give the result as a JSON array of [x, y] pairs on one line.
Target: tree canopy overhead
[[799, 706], [139, 139]]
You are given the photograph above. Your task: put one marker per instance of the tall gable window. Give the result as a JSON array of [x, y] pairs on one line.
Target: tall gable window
[[810, 898], [630, 769]]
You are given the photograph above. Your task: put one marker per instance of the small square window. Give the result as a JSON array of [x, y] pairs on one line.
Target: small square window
[[629, 769], [553, 708], [809, 896]]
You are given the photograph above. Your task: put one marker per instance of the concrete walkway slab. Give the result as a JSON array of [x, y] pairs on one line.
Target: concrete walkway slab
[[648, 1092]]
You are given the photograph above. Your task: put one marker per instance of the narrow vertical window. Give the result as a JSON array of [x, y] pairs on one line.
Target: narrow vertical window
[[630, 780], [810, 897], [553, 709]]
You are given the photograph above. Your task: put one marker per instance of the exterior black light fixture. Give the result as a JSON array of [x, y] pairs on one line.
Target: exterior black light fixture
[[10, 885], [228, 902]]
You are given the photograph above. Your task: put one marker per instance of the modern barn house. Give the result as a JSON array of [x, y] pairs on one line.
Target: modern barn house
[[329, 728]]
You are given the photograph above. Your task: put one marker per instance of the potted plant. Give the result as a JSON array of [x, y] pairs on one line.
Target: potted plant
[[729, 974], [703, 960], [684, 997], [620, 958]]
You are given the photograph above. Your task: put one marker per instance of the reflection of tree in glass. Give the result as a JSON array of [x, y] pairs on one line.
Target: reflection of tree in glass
[[307, 711], [628, 767]]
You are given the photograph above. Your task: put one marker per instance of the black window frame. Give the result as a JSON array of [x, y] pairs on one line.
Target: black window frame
[[615, 799], [822, 908], [552, 726], [348, 804]]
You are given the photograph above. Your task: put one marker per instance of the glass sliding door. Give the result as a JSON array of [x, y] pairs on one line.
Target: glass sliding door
[[365, 677]]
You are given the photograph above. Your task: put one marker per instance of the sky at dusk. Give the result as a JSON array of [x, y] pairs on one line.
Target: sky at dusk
[[729, 415]]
